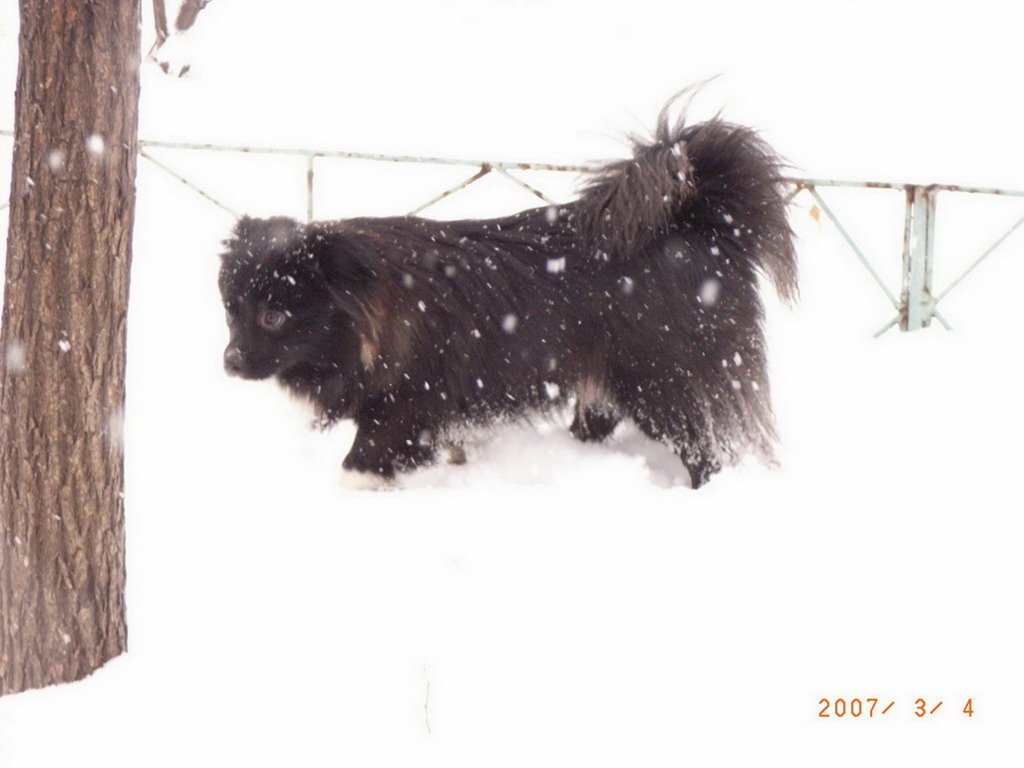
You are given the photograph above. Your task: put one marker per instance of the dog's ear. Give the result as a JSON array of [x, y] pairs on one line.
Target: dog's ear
[[344, 265], [263, 235], [352, 274]]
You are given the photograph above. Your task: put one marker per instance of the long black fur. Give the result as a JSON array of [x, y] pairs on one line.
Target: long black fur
[[638, 300]]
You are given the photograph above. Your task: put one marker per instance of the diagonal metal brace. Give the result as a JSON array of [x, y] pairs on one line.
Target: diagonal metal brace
[[484, 170], [853, 245], [528, 187], [981, 258], [187, 183]]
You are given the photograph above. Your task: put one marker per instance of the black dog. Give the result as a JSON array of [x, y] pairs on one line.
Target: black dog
[[638, 300]]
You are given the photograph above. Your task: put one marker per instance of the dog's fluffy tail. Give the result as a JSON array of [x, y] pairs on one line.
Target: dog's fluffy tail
[[714, 176]]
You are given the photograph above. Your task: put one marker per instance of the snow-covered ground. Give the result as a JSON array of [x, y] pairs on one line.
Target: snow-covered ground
[[552, 603]]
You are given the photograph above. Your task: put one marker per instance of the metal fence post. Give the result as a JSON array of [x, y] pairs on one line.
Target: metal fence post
[[309, 187], [917, 306]]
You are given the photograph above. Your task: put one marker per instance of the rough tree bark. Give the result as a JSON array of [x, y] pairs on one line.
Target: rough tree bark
[[188, 12], [62, 341]]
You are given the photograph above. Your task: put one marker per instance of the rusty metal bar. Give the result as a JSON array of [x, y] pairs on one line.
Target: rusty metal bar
[[801, 183], [908, 222], [529, 188], [797, 189], [916, 305], [309, 186], [484, 170], [896, 321], [522, 166], [902, 186]]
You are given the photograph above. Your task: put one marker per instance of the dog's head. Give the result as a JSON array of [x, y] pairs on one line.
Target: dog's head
[[296, 307]]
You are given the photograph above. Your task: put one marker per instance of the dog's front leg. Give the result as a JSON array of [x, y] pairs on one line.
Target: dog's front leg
[[390, 438]]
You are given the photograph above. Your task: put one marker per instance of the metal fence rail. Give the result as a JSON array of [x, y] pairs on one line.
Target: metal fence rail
[[483, 167], [915, 306]]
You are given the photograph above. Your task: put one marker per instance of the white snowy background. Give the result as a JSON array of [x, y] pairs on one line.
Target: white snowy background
[[551, 603]]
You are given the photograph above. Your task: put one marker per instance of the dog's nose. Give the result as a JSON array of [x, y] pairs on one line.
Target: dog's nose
[[233, 361]]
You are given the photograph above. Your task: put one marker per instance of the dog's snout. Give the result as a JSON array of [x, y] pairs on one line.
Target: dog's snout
[[233, 361]]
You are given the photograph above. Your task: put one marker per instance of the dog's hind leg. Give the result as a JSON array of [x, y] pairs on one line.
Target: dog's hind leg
[[665, 418], [699, 462], [593, 423], [595, 417]]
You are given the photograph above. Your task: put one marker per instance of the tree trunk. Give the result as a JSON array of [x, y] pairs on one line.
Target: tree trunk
[[62, 341]]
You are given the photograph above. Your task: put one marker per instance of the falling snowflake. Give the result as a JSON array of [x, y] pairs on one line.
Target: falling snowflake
[[95, 145], [55, 160], [709, 291], [14, 360], [115, 427]]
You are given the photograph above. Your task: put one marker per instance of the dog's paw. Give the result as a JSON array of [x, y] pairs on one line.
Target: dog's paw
[[456, 454], [357, 480]]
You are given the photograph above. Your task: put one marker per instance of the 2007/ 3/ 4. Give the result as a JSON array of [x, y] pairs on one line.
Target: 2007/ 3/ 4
[[866, 707]]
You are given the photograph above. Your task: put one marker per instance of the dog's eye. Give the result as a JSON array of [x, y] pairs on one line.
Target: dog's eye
[[272, 319]]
